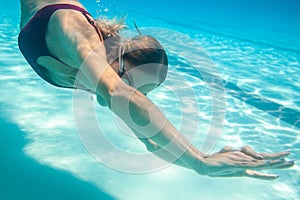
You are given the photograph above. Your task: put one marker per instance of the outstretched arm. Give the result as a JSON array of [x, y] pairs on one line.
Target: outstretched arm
[[140, 113], [172, 146]]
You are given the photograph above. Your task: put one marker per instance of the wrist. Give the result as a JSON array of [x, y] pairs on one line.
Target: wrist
[[199, 164]]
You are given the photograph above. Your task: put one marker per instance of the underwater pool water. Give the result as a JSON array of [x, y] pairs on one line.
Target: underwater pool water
[[254, 45]]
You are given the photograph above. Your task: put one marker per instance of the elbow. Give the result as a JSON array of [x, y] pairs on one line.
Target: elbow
[[119, 96], [115, 92], [128, 103]]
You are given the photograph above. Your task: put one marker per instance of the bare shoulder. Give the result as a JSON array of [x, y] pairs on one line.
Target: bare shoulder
[[69, 35]]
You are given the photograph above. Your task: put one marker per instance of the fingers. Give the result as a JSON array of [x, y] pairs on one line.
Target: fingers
[[267, 156], [245, 173], [275, 155], [274, 164], [63, 74], [258, 175], [260, 156], [58, 72], [226, 149], [250, 152], [246, 150], [269, 164], [248, 169], [285, 164], [55, 65]]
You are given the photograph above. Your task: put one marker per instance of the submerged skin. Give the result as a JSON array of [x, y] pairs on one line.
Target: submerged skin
[[75, 42]]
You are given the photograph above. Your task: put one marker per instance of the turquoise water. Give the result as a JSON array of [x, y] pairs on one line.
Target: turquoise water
[[254, 45]]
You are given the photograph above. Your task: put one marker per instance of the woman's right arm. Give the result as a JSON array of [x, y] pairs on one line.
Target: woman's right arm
[[147, 121]]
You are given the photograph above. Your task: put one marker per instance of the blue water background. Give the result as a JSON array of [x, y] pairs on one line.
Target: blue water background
[[254, 44]]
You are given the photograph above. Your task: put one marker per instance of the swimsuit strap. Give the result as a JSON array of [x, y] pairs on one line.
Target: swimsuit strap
[[92, 22]]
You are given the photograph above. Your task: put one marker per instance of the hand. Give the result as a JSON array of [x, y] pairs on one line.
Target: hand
[[62, 74], [230, 162]]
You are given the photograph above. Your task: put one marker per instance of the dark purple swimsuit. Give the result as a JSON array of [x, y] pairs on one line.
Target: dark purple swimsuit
[[32, 38]]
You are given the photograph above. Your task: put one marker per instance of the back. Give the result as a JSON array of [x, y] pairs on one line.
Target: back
[[30, 7]]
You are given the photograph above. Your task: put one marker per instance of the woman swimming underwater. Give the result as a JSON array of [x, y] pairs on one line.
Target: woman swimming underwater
[[62, 42]]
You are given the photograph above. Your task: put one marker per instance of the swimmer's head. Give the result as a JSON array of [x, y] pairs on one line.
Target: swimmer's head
[[143, 63]]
